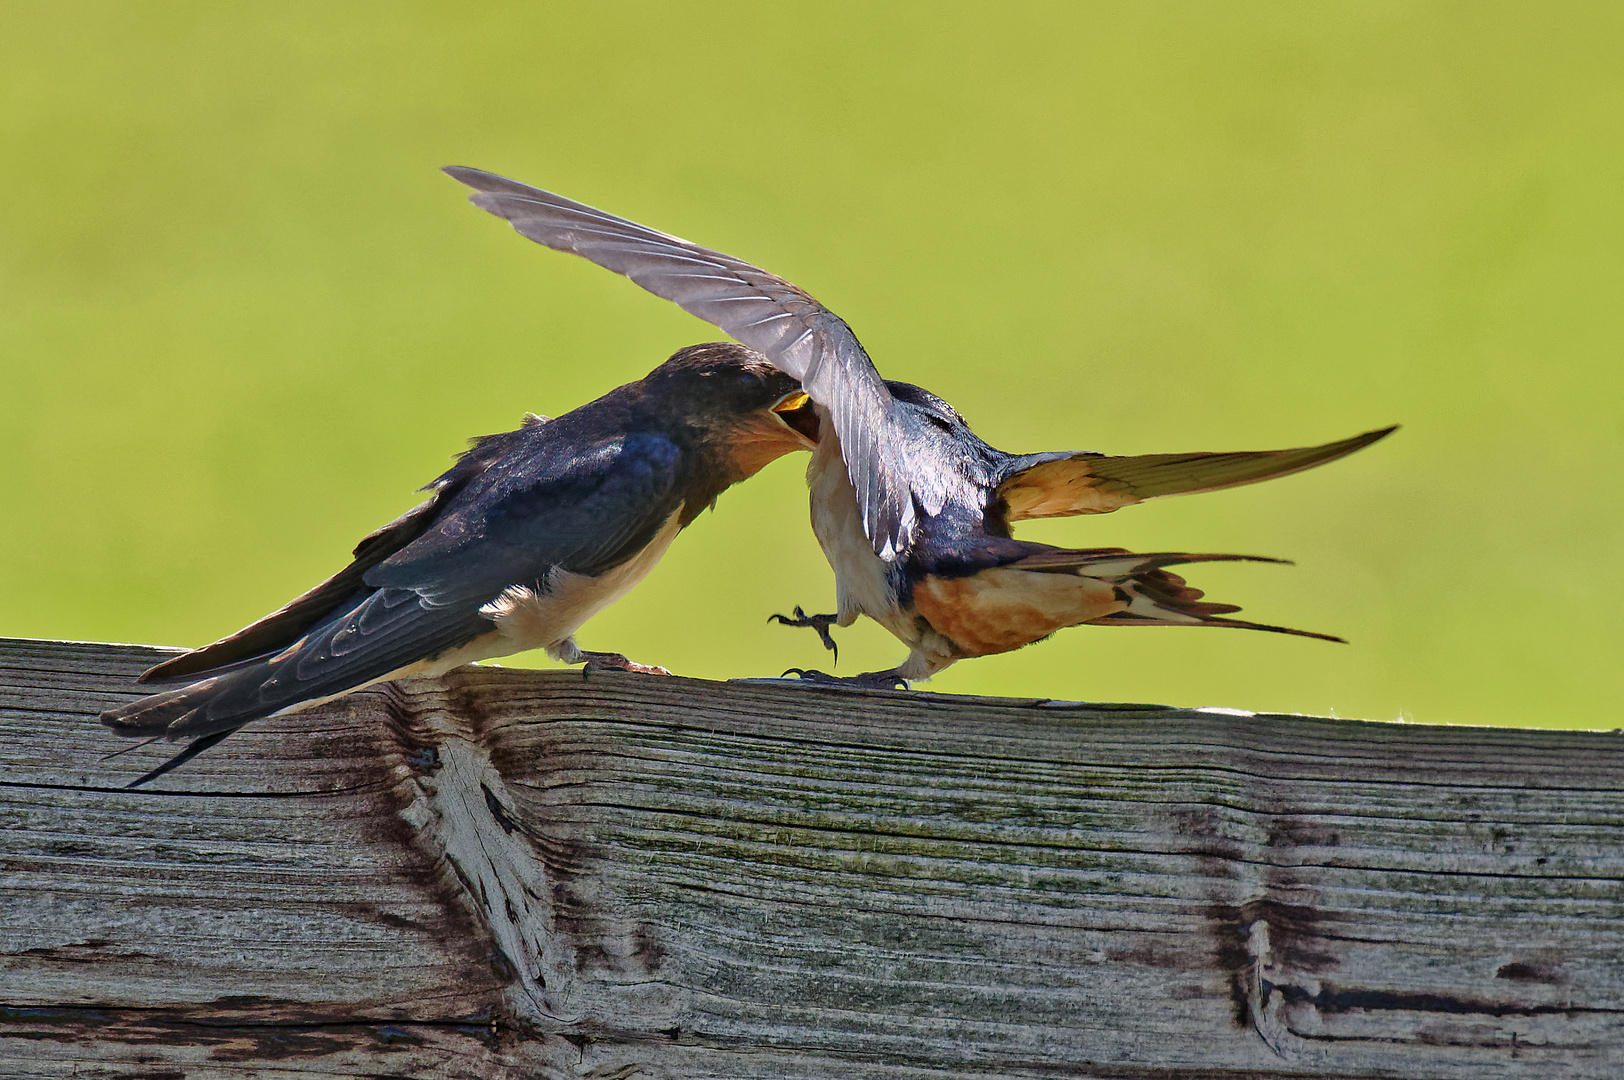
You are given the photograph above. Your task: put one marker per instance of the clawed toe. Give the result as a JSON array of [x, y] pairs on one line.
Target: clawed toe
[[820, 623], [872, 680]]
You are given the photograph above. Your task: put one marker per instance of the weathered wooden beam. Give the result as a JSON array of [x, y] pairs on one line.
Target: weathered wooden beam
[[513, 873]]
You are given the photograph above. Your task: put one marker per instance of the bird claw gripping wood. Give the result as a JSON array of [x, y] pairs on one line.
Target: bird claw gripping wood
[[870, 680]]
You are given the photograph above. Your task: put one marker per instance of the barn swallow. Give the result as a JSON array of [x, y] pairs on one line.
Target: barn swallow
[[966, 587], [912, 510], [526, 537]]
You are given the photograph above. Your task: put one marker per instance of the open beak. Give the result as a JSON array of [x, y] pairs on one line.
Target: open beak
[[798, 413]]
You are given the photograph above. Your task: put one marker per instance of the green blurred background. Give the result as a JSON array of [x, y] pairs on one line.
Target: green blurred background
[[242, 316]]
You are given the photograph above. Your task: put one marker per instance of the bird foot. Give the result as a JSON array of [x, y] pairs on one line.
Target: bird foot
[[599, 662], [820, 623], [870, 680]]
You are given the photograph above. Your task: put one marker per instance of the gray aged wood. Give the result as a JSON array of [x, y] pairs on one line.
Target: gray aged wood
[[508, 873]]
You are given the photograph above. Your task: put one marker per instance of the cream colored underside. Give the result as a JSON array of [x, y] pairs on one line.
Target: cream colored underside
[[862, 578], [860, 575], [527, 619]]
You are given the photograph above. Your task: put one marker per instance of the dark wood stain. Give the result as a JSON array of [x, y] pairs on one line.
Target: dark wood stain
[[1517, 971]]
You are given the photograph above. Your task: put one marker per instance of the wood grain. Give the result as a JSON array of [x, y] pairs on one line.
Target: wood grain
[[513, 873]]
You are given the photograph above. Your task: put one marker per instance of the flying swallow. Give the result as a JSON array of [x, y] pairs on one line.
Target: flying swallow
[[526, 537], [912, 510]]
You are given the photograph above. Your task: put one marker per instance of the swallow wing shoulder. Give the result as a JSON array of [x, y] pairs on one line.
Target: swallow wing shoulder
[[582, 510]]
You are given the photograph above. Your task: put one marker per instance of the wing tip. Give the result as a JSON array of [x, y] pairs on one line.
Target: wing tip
[[488, 183], [1359, 442], [469, 175]]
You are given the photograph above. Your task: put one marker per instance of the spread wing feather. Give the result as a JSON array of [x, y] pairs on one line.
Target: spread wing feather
[[1058, 485], [758, 308]]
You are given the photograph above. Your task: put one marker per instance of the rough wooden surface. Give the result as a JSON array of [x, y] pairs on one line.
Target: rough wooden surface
[[506, 873]]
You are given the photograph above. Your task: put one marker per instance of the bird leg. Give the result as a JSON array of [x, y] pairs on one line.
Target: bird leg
[[869, 680], [599, 662], [820, 623]]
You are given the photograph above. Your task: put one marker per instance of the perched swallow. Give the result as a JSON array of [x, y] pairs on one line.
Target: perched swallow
[[526, 537], [912, 510], [966, 587]]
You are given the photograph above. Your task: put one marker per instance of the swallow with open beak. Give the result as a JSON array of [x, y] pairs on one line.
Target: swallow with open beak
[[913, 511], [526, 537]]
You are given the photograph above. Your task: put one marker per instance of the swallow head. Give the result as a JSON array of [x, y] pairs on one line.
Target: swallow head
[[941, 434], [742, 404]]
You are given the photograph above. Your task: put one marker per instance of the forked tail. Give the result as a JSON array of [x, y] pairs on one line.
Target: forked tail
[[1155, 596]]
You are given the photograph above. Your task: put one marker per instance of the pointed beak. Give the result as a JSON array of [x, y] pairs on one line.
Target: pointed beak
[[798, 413]]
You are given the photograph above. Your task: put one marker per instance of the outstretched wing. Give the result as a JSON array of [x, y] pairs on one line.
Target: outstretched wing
[[760, 309], [1058, 485]]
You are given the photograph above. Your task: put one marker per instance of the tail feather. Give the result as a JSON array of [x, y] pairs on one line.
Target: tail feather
[[1132, 618], [386, 632], [162, 713], [1154, 595], [381, 637], [194, 748]]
